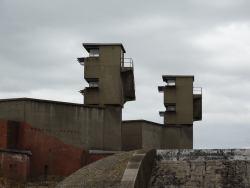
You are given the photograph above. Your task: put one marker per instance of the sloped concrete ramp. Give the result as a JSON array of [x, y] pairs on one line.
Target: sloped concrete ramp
[[107, 172]]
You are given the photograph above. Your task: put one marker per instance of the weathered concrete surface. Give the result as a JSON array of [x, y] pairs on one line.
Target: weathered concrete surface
[[75, 124], [182, 96], [201, 168], [112, 138], [142, 134], [131, 135], [177, 137], [106, 68], [104, 173]]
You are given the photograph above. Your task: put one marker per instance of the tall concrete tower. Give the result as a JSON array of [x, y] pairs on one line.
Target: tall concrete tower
[[110, 76], [183, 105], [110, 79]]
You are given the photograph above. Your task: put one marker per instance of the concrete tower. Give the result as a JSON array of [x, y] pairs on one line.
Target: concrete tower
[[110, 76], [183, 105], [110, 79]]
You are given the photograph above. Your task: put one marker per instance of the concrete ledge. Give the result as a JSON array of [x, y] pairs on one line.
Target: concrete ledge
[[103, 152], [203, 154], [49, 101], [143, 121], [24, 152], [138, 170]]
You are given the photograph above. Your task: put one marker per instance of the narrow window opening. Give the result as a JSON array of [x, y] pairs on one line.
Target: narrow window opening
[[94, 52], [45, 172], [171, 108], [170, 82], [94, 84]]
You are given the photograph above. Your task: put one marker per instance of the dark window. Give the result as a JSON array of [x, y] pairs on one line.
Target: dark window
[[45, 172], [94, 52], [12, 134]]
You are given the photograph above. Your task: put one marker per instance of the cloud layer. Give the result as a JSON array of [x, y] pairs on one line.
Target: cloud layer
[[40, 41]]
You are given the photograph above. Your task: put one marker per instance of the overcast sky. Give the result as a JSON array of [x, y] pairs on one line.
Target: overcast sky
[[40, 41]]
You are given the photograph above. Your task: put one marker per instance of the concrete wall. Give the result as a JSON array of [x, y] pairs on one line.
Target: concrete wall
[[182, 95], [112, 133], [111, 73], [131, 135], [151, 135], [138, 134], [75, 124], [177, 137], [184, 100]]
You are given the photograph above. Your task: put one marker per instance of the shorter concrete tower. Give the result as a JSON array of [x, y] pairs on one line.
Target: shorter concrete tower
[[182, 101], [183, 104]]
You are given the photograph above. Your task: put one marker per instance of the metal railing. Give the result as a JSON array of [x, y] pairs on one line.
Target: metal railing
[[127, 63], [197, 90]]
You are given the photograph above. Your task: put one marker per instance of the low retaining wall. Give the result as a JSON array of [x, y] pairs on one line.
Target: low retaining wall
[[201, 168], [14, 165], [139, 168]]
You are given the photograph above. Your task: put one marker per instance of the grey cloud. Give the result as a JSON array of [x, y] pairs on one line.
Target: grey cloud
[[40, 41]]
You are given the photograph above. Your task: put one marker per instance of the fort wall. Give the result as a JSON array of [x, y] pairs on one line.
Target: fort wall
[[89, 127]]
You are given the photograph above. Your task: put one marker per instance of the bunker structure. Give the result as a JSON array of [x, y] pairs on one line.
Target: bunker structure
[[181, 100], [49, 132], [110, 76], [111, 84], [183, 104]]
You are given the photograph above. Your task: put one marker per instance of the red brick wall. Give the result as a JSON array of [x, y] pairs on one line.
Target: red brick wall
[[14, 166], [50, 156], [3, 133]]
